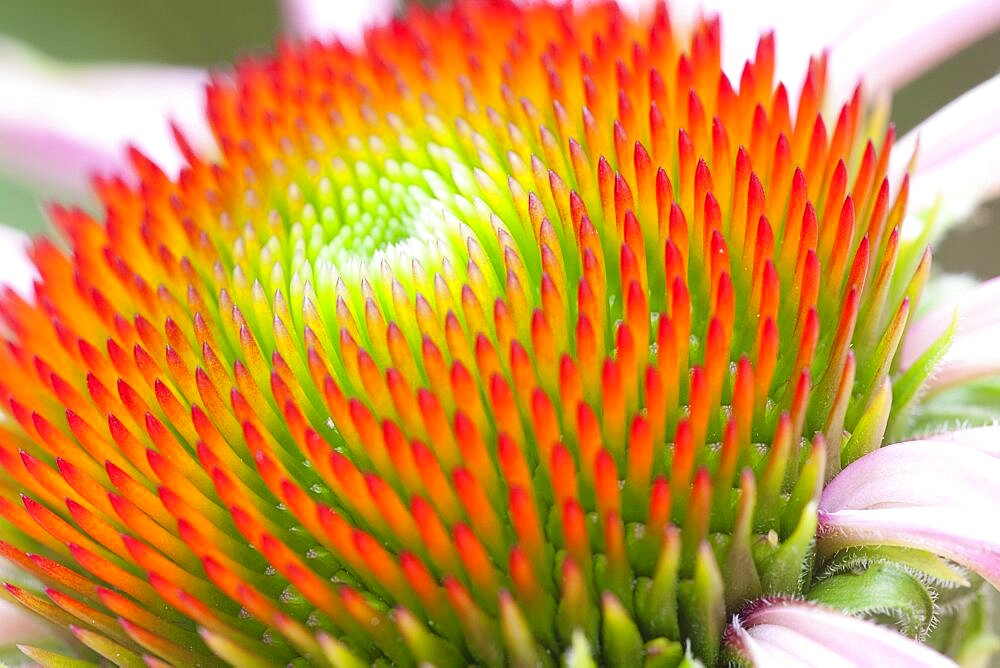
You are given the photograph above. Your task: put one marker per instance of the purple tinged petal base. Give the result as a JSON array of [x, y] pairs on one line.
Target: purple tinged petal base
[[786, 632], [973, 352], [931, 495]]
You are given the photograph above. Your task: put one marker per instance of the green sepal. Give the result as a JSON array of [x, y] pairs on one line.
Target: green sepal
[[884, 591], [906, 387], [926, 566], [703, 606], [622, 644], [870, 430], [783, 570]]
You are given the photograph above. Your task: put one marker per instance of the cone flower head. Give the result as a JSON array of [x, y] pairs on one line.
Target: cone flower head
[[522, 334]]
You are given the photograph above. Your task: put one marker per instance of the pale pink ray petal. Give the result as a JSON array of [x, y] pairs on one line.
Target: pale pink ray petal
[[59, 125], [885, 44], [21, 626], [985, 439], [955, 533], [17, 272], [773, 645], [341, 19], [974, 352], [972, 357], [900, 39], [802, 30], [957, 155], [775, 633], [930, 494]]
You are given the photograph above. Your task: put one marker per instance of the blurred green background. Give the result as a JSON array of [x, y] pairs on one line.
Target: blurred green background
[[213, 32]]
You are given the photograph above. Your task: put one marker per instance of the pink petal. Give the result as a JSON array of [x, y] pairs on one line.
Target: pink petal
[[958, 158], [900, 39], [59, 125], [985, 439], [973, 356], [953, 533], [973, 352], [931, 495], [17, 272], [802, 29], [341, 19], [956, 127], [885, 44], [786, 632], [22, 626]]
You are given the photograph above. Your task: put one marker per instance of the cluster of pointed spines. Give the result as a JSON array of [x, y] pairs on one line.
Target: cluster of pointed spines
[[598, 395]]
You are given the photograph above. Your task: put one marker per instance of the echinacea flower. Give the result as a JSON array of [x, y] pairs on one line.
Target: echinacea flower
[[521, 335]]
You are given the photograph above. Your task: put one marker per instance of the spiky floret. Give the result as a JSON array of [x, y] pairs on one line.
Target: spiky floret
[[520, 330]]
